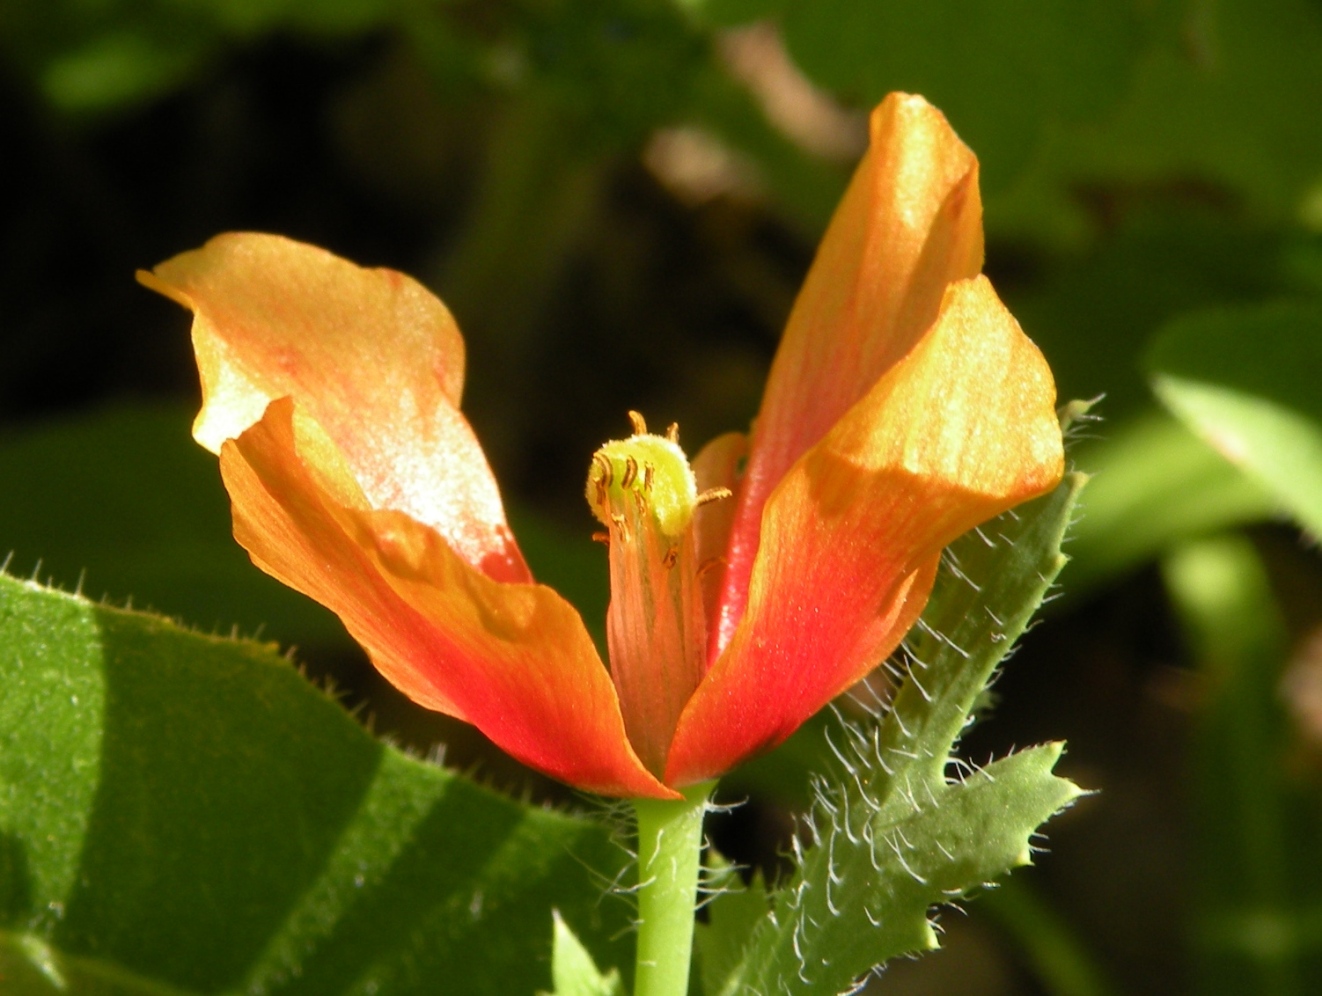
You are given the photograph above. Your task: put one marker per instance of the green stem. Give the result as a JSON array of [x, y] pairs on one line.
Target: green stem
[[669, 853]]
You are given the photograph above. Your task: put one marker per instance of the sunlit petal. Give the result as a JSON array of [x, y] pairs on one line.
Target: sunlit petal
[[717, 465], [513, 659], [961, 429], [910, 223], [371, 355]]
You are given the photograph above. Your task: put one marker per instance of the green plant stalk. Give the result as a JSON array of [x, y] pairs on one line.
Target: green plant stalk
[[669, 855]]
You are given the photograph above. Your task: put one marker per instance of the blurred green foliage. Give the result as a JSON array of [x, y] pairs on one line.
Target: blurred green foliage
[[1246, 381], [1256, 821], [1001, 72], [1152, 174]]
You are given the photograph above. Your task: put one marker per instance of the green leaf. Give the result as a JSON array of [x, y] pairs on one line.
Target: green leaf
[[573, 970], [186, 814], [1222, 93], [892, 834], [92, 58], [123, 504], [316, 17], [1193, 124], [732, 915], [116, 68], [1247, 382], [601, 61], [998, 71], [806, 188], [1154, 485], [1093, 311], [1166, 96], [1256, 871]]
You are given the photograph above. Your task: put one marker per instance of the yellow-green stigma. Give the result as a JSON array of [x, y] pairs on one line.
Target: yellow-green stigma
[[649, 471]]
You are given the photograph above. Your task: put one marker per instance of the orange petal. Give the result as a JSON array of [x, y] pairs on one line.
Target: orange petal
[[513, 659], [717, 465], [909, 224], [371, 355], [961, 429]]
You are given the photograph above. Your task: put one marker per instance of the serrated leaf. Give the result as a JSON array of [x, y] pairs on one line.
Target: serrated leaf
[[891, 834], [1247, 381], [573, 970], [186, 814]]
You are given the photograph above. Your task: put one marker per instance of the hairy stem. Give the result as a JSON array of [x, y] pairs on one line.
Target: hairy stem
[[669, 853]]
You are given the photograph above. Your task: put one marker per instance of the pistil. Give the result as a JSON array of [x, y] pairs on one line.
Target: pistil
[[644, 492]]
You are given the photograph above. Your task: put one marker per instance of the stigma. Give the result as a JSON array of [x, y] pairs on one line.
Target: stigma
[[648, 476]]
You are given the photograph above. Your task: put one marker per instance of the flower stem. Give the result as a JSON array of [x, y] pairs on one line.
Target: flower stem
[[669, 853]]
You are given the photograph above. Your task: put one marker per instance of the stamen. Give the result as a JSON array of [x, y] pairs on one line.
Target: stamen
[[709, 565], [630, 472], [672, 555], [649, 473], [713, 494], [602, 538], [672, 432], [639, 423]]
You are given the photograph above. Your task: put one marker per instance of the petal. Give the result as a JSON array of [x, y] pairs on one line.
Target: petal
[[961, 429], [717, 465], [909, 224], [513, 659], [371, 355]]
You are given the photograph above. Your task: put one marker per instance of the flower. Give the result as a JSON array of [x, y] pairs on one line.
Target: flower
[[904, 407]]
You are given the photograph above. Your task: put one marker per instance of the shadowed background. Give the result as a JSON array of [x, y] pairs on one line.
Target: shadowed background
[[618, 200]]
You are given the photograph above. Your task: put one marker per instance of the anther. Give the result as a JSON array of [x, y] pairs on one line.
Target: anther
[[709, 565], [672, 432], [630, 472], [672, 555], [713, 494], [639, 423], [600, 459], [602, 538], [649, 472]]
